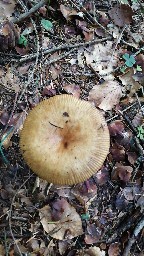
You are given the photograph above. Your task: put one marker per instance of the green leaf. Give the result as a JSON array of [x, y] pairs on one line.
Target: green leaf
[[46, 24], [85, 216], [130, 60], [22, 40], [138, 68], [123, 68], [140, 132]]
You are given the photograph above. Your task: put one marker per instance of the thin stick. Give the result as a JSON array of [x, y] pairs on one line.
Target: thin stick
[[31, 11], [62, 47]]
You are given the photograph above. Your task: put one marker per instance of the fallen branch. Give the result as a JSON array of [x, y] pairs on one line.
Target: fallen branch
[[62, 47]]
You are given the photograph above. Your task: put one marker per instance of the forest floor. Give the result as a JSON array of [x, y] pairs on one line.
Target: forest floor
[[94, 51]]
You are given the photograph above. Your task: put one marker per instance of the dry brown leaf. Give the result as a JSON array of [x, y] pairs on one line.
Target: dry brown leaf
[[73, 89], [69, 224], [101, 59], [129, 83], [16, 127], [67, 12], [114, 249], [121, 14], [7, 9], [106, 95]]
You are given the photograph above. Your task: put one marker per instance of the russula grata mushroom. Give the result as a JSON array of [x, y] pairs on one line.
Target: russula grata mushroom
[[64, 140]]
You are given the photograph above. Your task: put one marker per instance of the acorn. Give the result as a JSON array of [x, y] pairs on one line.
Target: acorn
[[65, 140]]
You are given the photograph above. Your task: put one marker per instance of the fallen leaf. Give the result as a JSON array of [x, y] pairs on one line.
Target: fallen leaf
[[106, 95], [129, 82], [118, 152], [102, 176], [92, 251], [62, 221], [67, 11], [132, 157], [72, 89], [116, 128], [121, 14], [123, 172], [114, 249], [93, 235], [101, 58], [85, 192], [7, 9]]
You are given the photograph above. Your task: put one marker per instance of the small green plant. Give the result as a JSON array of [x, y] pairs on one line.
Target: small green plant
[[85, 216], [140, 132], [46, 24], [22, 40], [129, 60]]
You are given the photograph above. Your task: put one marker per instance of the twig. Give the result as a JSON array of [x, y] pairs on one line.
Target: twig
[[30, 77], [31, 11], [62, 47], [133, 238], [110, 119], [61, 56], [90, 18]]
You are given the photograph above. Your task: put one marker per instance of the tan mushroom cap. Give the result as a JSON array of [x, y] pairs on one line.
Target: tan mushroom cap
[[65, 140]]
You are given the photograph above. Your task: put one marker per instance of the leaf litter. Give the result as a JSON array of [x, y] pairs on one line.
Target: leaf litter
[[60, 53]]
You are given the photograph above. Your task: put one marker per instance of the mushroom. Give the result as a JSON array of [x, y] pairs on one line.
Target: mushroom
[[64, 140]]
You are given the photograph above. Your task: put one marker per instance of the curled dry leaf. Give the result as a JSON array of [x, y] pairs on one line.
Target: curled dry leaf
[[132, 157], [121, 14], [67, 12], [129, 82], [102, 176], [116, 128], [101, 59], [92, 251], [62, 221], [114, 249], [106, 95], [118, 152], [123, 172]]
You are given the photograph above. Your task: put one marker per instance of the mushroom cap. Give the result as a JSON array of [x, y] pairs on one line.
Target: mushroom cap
[[65, 140]]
